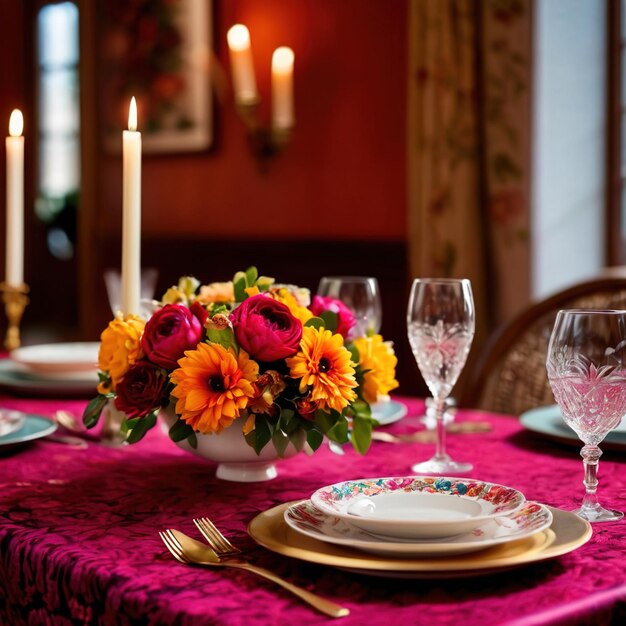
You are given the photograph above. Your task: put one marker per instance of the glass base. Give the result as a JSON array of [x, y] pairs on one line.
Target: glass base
[[444, 466], [598, 514]]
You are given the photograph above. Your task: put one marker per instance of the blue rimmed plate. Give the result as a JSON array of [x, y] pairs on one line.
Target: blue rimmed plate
[[547, 420], [34, 427]]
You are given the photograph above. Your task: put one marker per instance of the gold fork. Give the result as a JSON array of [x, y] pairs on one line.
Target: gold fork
[[189, 551], [214, 537]]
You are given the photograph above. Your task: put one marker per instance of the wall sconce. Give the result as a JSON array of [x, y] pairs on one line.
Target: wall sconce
[[266, 141]]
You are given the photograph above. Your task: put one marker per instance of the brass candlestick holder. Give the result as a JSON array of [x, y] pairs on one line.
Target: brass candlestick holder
[[15, 301], [265, 141]]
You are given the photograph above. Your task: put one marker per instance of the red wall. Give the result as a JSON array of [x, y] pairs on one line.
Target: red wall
[[343, 175]]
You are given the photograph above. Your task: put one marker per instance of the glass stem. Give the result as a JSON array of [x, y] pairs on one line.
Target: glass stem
[[591, 454], [440, 449]]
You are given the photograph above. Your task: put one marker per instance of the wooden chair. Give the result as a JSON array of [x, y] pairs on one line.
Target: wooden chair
[[510, 375]]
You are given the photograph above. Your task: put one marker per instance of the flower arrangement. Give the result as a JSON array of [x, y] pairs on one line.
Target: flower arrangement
[[246, 348]]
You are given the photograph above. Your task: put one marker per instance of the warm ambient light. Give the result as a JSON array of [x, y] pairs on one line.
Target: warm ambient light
[[132, 115], [16, 123], [282, 59], [238, 37]]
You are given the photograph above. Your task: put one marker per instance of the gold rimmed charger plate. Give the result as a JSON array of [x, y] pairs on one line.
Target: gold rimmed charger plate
[[567, 532]]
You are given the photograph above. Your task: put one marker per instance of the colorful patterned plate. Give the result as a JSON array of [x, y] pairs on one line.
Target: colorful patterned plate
[[567, 532], [417, 507], [304, 518]]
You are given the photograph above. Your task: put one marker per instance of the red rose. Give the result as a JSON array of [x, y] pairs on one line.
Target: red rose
[[168, 333], [199, 311], [346, 319], [266, 329], [141, 389]]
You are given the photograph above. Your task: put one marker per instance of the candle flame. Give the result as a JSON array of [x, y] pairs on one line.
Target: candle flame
[[282, 59], [238, 37], [16, 123], [132, 115]]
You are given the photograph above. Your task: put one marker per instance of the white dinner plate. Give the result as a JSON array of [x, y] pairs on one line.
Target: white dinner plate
[[304, 518], [547, 420], [417, 507], [58, 357], [388, 412], [16, 379], [33, 427]]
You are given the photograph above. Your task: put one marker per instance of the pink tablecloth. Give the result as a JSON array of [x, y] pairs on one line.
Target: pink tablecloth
[[79, 543]]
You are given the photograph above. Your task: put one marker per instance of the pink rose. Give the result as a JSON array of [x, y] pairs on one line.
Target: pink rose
[[266, 329], [168, 333], [345, 317], [141, 389]]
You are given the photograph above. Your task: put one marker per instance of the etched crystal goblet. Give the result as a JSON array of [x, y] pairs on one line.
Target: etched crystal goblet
[[586, 366]]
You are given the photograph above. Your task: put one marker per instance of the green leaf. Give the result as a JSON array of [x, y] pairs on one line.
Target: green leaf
[[92, 411], [142, 427], [355, 355], [193, 441], [261, 435], [314, 438], [339, 432], [280, 441], [239, 286], [251, 275], [180, 430], [331, 320], [324, 420], [315, 322], [264, 283], [361, 434], [224, 337], [288, 422], [297, 438]]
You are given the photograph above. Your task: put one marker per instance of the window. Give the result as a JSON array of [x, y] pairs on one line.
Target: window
[[59, 124]]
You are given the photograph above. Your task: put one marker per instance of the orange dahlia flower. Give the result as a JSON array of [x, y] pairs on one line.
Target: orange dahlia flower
[[324, 364], [120, 348], [378, 357], [212, 386]]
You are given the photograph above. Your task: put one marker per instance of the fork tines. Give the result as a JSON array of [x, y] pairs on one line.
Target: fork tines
[[172, 544], [215, 538]]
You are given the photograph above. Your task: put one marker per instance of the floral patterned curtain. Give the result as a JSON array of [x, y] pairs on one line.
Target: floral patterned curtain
[[469, 130]]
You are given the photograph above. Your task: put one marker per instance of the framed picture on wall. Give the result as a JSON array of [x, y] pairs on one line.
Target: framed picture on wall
[[158, 51]]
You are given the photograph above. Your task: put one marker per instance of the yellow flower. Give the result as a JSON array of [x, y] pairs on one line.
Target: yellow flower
[[212, 386], [324, 363], [378, 357], [217, 292], [120, 347], [286, 297]]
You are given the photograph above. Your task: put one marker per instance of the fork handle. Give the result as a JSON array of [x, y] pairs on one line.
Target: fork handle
[[325, 606]]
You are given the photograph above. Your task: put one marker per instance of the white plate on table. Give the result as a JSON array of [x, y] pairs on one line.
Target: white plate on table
[[548, 421], [388, 412], [33, 427], [17, 379], [304, 518], [417, 507], [53, 358]]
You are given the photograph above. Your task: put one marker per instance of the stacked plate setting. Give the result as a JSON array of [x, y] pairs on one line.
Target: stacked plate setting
[[57, 368], [417, 516]]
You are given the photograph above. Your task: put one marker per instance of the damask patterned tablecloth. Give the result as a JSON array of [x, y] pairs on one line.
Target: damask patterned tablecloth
[[79, 542]]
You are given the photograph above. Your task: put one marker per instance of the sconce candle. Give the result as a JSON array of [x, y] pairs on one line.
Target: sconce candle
[[282, 88], [238, 38], [131, 217], [15, 201]]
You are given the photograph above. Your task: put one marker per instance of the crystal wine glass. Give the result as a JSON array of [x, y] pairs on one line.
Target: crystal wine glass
[[587, 372], [440, 323], [361, 295]]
